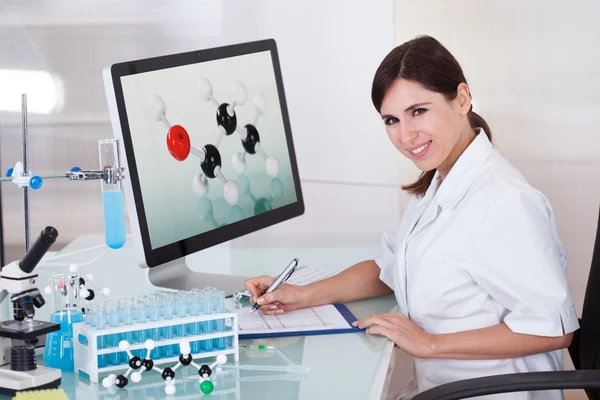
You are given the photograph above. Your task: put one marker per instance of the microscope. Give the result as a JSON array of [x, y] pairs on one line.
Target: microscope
[[18, 368]]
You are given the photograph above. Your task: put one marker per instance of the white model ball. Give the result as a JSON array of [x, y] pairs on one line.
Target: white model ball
[[170, 389], [221, 359], [136, 377], [205, 89], [150, 345], [239, 93], [84, 293], [184, 347], [260, 103], [272, 166], [232, 192], [238, 163], [72, 268], [200, 185], [106, 291], [48, 290], [109, 381], [89, 277], [123, 345], [158, 109]]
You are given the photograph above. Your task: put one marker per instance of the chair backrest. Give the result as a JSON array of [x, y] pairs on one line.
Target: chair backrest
[[584, 349]]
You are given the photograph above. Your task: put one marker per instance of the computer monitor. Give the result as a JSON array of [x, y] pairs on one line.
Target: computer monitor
[[208, 153]]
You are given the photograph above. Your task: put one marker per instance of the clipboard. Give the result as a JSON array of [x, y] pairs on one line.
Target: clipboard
[[321, 320]]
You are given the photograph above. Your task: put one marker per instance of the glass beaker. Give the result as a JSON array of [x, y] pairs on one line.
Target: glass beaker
[[112, 194], [58, 352]]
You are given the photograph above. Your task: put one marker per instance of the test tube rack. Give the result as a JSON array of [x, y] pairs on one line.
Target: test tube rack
[[86, 351]]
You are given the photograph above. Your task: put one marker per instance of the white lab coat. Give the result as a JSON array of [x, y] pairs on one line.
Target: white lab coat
[[479, 249]]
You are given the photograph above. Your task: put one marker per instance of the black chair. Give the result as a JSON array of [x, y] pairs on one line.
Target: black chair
[[583, 351]]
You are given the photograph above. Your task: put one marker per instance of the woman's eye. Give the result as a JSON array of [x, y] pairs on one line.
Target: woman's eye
[[391, 121], [418, 111]]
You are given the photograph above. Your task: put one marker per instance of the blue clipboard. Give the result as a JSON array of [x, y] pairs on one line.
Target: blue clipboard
[[343, 310]]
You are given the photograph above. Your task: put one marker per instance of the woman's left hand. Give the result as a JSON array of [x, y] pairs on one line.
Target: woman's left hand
[[400, 330]]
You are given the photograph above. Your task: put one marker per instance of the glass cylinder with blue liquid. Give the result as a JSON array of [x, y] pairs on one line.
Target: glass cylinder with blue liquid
[[112, 194], [64, 291]]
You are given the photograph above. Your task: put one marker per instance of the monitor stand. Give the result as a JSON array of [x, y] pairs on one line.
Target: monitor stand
[[178, 275]]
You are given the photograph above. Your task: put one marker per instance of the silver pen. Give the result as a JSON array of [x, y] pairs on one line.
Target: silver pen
[[282, 278]]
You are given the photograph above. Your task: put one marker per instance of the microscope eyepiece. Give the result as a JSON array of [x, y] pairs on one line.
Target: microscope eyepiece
[[38, 249]]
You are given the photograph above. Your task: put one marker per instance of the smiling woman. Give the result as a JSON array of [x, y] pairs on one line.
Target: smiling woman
[[421, 93], [476, 264]]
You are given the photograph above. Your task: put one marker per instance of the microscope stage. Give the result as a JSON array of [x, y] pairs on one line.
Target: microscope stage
[[26, 330]]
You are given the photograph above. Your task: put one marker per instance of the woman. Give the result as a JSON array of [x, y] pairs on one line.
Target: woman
[[476, 264]]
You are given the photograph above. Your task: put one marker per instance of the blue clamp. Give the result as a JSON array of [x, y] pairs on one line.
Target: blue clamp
[[36, 182]]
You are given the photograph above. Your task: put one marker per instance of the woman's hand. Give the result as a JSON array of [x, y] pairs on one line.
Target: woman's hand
[[285, 298], [400, 330]]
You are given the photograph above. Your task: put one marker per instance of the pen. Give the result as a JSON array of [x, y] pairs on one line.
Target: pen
[[284, 276]]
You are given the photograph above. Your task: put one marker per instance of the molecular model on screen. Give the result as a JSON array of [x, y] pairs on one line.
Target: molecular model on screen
[[179, 143]]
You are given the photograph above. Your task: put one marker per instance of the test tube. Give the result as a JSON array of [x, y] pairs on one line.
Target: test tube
[[221, 342], [181, 313], [91, 315], [155, 317], [196, 310], [112, 194], [100, 325], [113, 322], [168, 351], [141, 319], [126, 311], [207, 326]]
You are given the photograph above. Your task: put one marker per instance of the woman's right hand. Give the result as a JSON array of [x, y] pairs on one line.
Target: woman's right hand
[[285, 298]]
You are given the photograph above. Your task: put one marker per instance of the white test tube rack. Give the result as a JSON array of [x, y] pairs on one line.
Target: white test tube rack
[[86, 351]]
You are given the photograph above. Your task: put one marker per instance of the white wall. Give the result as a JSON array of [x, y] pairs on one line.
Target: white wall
[[329, 52], [533, 70]]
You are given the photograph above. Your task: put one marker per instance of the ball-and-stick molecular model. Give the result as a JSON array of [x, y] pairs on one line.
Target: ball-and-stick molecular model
[[180, 147], [227, 123], [168, 374], [87, 290]]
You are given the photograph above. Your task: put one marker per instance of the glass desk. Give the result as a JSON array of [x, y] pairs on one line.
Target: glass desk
[[350, 366]]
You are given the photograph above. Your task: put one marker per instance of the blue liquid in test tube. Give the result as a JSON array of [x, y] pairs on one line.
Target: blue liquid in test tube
[[181, 313], [196, 310], [112, 194], [155, 332], [100, 325], [127, 319], [207, 326], [113, 340], [220, 299], [167, 331]]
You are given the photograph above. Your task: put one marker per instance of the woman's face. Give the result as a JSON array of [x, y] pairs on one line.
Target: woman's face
[[422, 124]]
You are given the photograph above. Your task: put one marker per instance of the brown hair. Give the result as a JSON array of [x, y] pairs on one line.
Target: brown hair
[[426, 61]]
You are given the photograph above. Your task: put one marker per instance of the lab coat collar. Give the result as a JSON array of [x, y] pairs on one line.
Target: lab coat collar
[[463, 172]]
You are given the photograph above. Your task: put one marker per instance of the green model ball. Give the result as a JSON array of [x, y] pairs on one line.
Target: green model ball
[[206, 387]]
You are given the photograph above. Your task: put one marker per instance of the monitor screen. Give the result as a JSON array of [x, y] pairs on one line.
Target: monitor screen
[[208, 146]]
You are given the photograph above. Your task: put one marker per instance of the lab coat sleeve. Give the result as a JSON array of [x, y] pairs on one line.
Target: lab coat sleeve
[[519, 260], [386, 259]]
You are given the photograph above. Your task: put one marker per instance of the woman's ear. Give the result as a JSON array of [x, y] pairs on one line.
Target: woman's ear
[[463, 98]]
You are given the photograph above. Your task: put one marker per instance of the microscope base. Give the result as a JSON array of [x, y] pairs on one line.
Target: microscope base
[[37, 379]]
